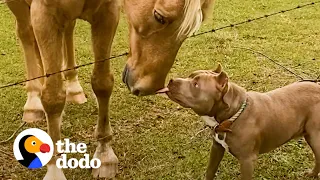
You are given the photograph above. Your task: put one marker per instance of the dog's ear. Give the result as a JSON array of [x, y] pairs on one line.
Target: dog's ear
[[222, 79], [227, 95], [218, 69], [226, 91]]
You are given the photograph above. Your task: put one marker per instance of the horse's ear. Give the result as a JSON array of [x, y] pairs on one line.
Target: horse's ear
[[218, 69], [207, 8]]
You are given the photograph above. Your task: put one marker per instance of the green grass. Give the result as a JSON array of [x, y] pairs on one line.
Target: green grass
[[152, 134]]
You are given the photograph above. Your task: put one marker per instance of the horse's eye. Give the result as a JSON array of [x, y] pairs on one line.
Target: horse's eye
[[33, 143], [159, 17]]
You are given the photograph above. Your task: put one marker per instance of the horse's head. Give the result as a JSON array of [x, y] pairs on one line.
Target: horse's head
[[157, 30]]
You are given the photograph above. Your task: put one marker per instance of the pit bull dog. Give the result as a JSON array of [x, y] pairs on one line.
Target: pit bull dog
[[250, 123]]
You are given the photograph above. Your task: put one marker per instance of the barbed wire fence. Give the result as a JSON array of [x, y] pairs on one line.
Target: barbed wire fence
[[250, 20], [232, 25]]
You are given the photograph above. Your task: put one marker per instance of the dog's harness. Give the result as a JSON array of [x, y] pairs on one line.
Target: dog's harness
[[224, 127]]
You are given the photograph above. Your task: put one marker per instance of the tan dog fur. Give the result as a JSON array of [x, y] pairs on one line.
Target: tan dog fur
[[269, 120]]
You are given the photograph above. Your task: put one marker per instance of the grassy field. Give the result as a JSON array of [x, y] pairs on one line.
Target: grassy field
[[152, 134]]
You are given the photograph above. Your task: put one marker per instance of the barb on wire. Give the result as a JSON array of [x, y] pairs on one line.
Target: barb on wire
[[65, 70], [255, 19], [272, 60], [195, 35]]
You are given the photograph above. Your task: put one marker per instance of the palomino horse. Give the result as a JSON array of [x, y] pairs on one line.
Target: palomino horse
[[33, 109], [45, 28]]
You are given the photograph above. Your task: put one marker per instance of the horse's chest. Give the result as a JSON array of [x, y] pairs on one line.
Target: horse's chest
[[92, 7]]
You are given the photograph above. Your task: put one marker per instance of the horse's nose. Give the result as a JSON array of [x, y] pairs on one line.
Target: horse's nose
[[140, 86], [136, 92], [125, 76]]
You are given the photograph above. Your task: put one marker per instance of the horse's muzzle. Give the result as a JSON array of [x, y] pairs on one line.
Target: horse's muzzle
[[126, 78], [139, 86]]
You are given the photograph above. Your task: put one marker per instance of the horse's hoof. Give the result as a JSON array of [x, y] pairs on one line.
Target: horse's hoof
[[33, 109], [109, 163], [75, 92], [54, 173], [33, 115], [311, 174], [76, 98]]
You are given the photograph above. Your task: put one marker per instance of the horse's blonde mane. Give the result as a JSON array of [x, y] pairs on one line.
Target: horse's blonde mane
[[192, 19]]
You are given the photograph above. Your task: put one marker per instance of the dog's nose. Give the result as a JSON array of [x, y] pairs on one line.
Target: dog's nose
[[171, 81]]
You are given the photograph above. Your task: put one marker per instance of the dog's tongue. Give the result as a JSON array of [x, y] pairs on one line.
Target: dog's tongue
[[164, 90]]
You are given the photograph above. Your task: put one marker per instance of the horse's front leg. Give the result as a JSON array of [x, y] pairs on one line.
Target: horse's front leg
[[33, 109], [74, 90], [48, 31], [104, 25]]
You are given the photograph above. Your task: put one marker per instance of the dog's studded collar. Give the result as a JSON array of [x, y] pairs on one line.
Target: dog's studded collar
[[224, 127]]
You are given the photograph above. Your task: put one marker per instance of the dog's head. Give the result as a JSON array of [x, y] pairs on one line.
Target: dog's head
[[201, 91]]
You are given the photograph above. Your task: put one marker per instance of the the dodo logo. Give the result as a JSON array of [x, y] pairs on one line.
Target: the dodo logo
[[33, 148]]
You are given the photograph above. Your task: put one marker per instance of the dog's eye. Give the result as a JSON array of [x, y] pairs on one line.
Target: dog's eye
[[33, 143], [159, 17]]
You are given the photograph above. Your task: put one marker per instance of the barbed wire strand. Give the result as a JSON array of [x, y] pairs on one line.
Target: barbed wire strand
[[195, 35], [126, 53], [270, 59], [69, 69], [257, 18]]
